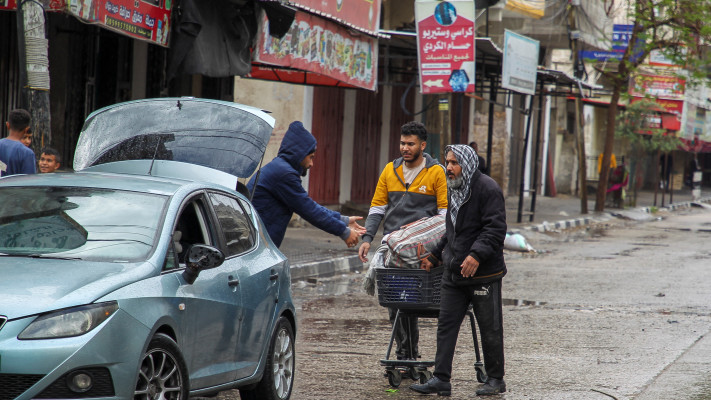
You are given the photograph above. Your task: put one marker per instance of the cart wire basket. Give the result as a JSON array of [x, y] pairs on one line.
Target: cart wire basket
[[404, 288], [415, 292]]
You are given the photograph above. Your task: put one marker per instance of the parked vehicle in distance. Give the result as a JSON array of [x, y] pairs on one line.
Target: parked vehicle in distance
[[145, 274]]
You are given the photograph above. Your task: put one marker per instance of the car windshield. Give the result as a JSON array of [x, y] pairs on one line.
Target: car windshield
[[82, 223]]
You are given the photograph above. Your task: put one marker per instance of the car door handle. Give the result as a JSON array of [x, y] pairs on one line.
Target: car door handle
[[232, 281], [274, 276]]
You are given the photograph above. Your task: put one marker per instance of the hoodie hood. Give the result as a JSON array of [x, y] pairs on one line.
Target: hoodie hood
[[296, 145]]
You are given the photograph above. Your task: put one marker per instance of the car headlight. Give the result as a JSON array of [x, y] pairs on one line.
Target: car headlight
[[70, 322]]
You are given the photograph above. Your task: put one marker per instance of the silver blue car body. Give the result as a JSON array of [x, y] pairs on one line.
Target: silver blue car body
[[106, 248]]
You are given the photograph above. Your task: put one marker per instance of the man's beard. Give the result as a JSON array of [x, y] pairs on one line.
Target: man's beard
[[304, 171], [455, 183], [415, 155]]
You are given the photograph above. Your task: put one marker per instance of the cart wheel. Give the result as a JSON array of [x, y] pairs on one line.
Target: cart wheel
[[394, 378], [425, 376], [414, 373], [480, 374]]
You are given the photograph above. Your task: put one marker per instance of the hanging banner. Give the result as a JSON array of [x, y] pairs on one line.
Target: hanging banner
[[446, 45], [54, 5], [148, 20], [520, 65], [317, 45], [363, 15], [663, 87]]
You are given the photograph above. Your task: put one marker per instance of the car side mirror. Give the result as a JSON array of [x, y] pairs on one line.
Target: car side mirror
[[200, 257]]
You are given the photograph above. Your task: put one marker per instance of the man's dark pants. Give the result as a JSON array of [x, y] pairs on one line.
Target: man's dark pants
[[486, 302], [402, 338]]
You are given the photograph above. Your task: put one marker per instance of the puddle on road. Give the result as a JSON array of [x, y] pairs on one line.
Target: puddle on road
[[519, 302], [329, 289]]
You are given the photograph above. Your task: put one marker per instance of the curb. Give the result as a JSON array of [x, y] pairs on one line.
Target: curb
[[572, 223], [566, 224], [347, 264], [326, 268]]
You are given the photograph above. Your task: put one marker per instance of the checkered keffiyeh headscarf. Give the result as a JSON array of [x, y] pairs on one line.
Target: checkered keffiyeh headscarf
[[469, 161]]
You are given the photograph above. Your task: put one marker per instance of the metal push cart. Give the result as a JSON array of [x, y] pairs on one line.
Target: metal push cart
[[415, 292]]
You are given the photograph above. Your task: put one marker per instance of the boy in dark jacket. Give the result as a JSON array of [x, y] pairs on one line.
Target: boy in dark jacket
[[473, 259], [279, 192]]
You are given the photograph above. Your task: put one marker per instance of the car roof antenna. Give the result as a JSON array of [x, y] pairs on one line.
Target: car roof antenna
[[155, 152]]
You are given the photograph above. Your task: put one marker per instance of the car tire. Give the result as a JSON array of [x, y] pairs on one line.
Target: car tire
[[278, 378], [162, 372]]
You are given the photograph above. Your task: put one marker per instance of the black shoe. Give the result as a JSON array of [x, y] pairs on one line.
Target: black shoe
[[434, 385], [491, 387]]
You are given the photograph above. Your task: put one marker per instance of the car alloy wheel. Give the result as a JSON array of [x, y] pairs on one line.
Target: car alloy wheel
[[278, 378], [162, 374], [283, 362]]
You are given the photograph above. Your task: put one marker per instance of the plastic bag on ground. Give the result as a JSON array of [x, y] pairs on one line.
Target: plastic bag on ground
[[516, 242]]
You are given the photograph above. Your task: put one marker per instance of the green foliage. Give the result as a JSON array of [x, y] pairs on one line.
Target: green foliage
[[677, 28], [633, 125]]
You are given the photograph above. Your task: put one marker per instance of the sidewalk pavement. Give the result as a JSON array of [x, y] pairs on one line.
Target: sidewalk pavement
[[314, 253]]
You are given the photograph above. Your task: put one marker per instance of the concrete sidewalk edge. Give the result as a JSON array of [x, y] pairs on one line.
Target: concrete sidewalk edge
[[575, 222], [347, 264]]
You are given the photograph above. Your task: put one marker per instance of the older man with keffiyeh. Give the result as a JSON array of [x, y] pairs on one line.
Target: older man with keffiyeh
[[472, 254]]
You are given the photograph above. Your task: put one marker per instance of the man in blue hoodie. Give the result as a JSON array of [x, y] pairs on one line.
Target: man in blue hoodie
[[279, 192]]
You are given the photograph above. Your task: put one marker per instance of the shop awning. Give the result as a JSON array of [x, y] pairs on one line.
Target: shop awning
[[316, 51]]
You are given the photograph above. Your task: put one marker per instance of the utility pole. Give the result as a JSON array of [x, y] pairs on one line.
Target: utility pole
[[579, 131], [34, 69]]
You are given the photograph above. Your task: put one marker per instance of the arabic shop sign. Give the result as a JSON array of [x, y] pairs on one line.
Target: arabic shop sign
[[663, 87], [445, 42], [54, 5], [363, 15], [317, 45], [148, 20], [520, 63]]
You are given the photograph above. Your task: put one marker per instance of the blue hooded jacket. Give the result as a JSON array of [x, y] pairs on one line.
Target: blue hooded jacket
[[279, 192]]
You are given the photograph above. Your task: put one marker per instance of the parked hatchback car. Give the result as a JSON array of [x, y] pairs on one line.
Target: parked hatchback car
[[145, 274]]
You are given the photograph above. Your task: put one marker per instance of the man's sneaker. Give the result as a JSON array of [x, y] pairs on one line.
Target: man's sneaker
[[491, 387], [434, 385]]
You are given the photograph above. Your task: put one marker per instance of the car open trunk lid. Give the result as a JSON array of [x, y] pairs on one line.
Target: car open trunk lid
[[226, 136]]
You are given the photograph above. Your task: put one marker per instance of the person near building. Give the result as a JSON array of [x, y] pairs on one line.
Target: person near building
[[15, 157], [50, 160], [278, 192], [411, 187], [483, 166], [471, 252]]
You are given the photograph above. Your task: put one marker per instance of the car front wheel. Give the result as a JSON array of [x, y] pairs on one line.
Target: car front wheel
[[278, 377], [162, 373]]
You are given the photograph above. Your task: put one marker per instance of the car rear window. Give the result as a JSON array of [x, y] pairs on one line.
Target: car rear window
[[76, 222]]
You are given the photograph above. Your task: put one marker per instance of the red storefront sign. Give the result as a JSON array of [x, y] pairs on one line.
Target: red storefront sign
[[669, 117], [319, 46], [54, 5], [148, 20], [142, 19], [359, 14], [445, 41], [662, 87]]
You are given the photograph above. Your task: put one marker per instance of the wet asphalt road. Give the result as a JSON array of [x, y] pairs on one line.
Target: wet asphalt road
[[616, 311]]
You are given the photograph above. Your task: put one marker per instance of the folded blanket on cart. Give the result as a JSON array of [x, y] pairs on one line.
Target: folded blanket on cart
[[414, 242], [406, 247]]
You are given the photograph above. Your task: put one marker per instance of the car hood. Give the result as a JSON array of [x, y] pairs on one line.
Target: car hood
[[225, 136], [31, 286]]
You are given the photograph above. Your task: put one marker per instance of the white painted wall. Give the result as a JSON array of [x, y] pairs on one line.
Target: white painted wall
[[286, 102]]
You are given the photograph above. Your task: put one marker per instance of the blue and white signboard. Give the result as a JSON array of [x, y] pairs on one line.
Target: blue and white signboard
[[621, 36], [520, 63]]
